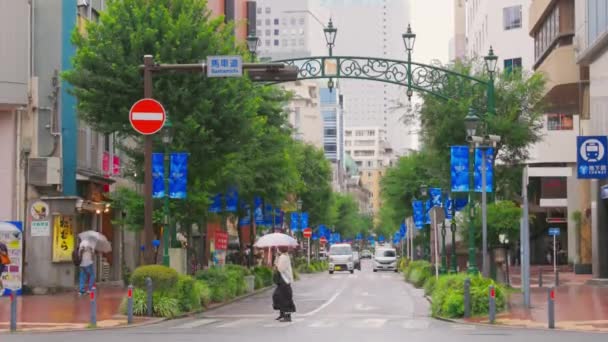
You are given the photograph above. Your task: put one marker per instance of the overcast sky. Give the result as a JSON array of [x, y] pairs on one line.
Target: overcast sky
[[433, 22]]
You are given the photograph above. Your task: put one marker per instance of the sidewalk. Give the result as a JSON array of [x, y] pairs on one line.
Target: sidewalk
[[577, 305], [65, 311]]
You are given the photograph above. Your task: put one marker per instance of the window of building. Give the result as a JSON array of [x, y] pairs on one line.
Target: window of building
[[302, 21], [293, 21], [293, 42], [371, 133], [301, 42], [267, 10], [597, 16], [560, 122], [513, 63], [276, 21], [268, 43], [267, 22], [370, 164], [258, 33], [512, 17], [276, 42], [330, 132], [547, 34], [284, 42], [268, 32], [276, 32], [359, 133], [259, 10], [259, 22], [369, 174], [330, 148], [348, 133]]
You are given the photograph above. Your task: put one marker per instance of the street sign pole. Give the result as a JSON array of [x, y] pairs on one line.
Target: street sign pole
[[554, 255], [525, 241], [484, 215], [308, 251]]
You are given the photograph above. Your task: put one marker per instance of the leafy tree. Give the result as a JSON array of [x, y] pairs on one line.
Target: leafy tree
[[345, 217], [503, 218]]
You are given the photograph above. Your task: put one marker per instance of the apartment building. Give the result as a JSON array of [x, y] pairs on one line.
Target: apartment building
[[304, 110]]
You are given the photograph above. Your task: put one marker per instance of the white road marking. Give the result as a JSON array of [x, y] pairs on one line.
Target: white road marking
[[416, 324], [326, 304], [363, 307], [283, 324], [370, 323], [324, 324], [462, 327], [238, 322], [195, 324]]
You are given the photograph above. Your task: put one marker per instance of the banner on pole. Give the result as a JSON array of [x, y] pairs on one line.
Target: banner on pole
[[459, 168], [216, 204], [489, 169], [178, 176], [418, 214], [448, 207], [268, 215], [246, 219], [258, 211], [436, 197], [294, 222], [460, 203], [304, 220], [427, 212], [158, 175], [232, 200]]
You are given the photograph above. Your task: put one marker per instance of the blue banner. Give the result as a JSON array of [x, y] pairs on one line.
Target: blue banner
[[403, 229], [418, 214], [489, 170], [324, 232], [268, 215], [158, 175], [216, 204], [295, 222], [278, 219], [315, 236], [381, 238], [427, 212], [370, 238], [359, 237], [258, 211], [436, 197], [460, 203], [448, 207], [178, 177], [246, 219], [592, 157], [232, 200], [304, 220], [459, 168]]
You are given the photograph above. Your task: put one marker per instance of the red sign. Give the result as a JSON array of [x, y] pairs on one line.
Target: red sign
[[307, 233], [147, 116], [221, 240], [323, 240]]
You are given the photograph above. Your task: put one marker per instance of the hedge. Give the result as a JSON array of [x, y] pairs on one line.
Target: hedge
[[417, 272], [163, 278]]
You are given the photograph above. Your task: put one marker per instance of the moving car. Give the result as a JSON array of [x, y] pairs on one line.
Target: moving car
[[341, 258], [357, 260], [366, 254], [385, 260]]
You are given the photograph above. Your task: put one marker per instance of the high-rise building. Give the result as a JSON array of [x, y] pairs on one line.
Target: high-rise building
[[458, 44], [241, 13], [378, 35], [304, 110], [332, 105]]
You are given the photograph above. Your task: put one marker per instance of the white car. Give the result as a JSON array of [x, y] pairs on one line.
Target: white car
[[385, 259], [341, 258]]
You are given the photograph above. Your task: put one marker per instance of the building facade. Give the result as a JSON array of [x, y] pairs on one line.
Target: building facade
[[240, 12], [458, 44], [590, 42], [332, 109], [304, 110]]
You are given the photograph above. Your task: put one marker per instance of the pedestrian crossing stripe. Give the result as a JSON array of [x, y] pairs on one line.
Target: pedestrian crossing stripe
[[416, 324], [239, 322], [195, 324], [323, 324], [278, 324]]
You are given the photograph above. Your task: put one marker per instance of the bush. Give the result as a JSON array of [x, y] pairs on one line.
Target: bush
[[218, 281], [448, 296], [163, 278], [418, 272], [429, 285], [204, 293], [265, 274], [140, 305], [163, 304], [188, 297]]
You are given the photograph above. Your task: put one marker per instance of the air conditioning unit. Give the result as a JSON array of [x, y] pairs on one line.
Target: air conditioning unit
[[44, 171]]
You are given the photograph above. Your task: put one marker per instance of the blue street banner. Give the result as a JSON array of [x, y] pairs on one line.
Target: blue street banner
[[381, 238], [158, 175], [324, 232], [245, 220], [232, 200], [459, 168], [258, 211], [304, 220], [461, 203], [436, 197], [427, 212], [591, 157], [216, 204], [489, 169], [370, 238], [178, 177], [278, 220], [403, 230], [315, 236], [268, 215], [418, 214], [359, 237], [448, 207], [294, 222]]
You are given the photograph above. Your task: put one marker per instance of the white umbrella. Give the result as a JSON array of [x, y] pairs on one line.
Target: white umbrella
[[98, 241], [276, 240]]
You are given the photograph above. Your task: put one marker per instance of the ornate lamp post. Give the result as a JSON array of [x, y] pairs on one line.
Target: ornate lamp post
[[409, 39], [253, 42], [167, 138], [426, 235], [330, 38], [471, 121], [491, 61]]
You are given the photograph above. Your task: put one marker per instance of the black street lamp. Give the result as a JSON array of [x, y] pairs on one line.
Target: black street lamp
[[471, 122], [330, 38], [491, 61], [426, 241], [253, 42], [409, 39]]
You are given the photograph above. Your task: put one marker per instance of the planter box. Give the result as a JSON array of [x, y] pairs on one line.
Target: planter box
[[250, 281], [178, 260]]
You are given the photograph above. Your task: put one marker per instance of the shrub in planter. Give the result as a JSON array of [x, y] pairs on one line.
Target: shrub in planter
[[236, 282], [163, 278], [220, 285], [419, 272], [186, 294], [203, 292], [258, 283], [140, 305], [163, 304], [264, 273], [429, 285]]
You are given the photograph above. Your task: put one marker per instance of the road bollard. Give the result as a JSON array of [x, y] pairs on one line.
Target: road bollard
[[540, 278], [492, 305], [556, 278], [551, 307], [130, 305], [149, 293], [467, 298], [93, 296], [13, 324]]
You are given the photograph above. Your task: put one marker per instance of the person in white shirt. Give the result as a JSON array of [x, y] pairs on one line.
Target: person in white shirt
[[87, 271]]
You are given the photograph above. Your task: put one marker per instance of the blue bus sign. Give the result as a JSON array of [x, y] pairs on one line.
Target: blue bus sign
[[592, 160], [553, 231]]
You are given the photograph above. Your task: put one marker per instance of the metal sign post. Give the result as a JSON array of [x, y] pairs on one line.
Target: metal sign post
[[554, 232]]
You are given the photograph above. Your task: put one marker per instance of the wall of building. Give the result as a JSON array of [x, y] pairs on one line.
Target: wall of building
[[305, 112], [14, 40]]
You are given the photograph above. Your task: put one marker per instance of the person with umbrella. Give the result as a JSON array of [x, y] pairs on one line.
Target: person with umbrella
[[91, 241], [282, 297]]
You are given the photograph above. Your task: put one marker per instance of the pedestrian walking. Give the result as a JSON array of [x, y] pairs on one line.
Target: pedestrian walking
[[86, 252], [282, 299], [4, 262]]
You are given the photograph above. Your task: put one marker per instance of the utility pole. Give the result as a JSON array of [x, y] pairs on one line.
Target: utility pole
[[148, 201], [525, 240]]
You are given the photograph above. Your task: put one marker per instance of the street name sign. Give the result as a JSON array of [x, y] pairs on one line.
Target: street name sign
[[147, 116], [224, 66], [553, 231]]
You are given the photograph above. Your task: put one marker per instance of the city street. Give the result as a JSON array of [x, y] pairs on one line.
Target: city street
[[365, 306]]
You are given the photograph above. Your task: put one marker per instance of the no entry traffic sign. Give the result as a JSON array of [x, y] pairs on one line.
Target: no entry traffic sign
[[147, 116], [307, 233]]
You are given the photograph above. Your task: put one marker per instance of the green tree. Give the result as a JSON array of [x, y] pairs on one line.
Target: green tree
[[346, 218], [315, 182], [503, 218]]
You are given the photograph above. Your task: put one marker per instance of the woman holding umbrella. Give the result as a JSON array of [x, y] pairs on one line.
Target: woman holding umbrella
[[283, 295], [92, 242]]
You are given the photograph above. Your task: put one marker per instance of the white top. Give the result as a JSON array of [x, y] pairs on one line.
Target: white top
[[87, 254], [283, 264]]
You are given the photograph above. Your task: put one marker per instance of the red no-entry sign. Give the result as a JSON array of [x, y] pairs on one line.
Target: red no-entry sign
[[307, 233], [323, 240], [147, 116]]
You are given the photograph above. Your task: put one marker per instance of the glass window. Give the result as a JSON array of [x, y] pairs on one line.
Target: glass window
[[302, 21], [267, 22], [267, 10], [268, 32], [301, 41], [276, 32], [276, 21], [512, 17], [259, 22], [276, 42], [258, 33], [267, 42], [513, 63], [560, 122], [259, 10]]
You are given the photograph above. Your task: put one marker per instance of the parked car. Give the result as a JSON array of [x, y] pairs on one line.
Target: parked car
[[341, 258], [385, 260], [366, 254], [357, 260]]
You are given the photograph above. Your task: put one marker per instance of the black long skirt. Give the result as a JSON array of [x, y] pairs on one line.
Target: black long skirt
[[282, 298]]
